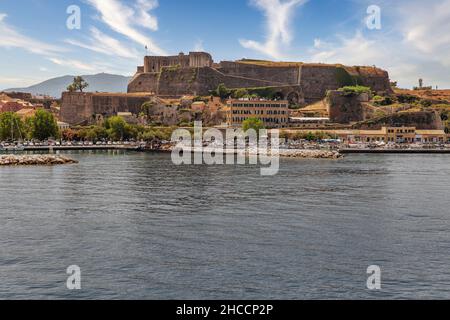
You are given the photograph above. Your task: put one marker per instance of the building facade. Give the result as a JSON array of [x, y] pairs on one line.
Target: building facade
[[274, 114], [393, 135]]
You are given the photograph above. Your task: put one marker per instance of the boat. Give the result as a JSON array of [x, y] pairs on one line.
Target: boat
[[14, 148]]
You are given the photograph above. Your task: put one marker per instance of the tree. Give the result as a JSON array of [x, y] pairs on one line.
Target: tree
[[253, 123], [44, 125], [96, 133], [11, 126], [240, 93], [222, 91], [148, 109], [78, 84], [116, 127], [68, 134]]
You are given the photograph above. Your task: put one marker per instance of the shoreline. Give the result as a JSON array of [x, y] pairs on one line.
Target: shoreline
[[394, 151], [163, 149]]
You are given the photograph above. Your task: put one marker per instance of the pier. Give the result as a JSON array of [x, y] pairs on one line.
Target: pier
[[395, 151]]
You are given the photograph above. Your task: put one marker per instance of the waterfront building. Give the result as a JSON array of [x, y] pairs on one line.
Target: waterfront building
[[63, 125], [385, 135], [274, 114], [431, 136]]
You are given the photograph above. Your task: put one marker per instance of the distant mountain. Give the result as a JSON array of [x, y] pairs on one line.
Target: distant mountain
[[101, 82]]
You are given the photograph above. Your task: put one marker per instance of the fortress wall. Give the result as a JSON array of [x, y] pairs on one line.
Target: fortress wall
[[199, 81], [209, 79], [192, 74], [76, 107], [377, 83], [177, 82], [317, 80], [155, 64], [144, 82], [344, 109], [200, 59], [281, 75], [423, 120], [372, 77], [110, 105]]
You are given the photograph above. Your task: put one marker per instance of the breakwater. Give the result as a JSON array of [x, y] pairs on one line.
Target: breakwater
[[34, 160]]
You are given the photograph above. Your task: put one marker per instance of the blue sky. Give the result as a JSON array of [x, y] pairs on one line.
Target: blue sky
[[35, 43]]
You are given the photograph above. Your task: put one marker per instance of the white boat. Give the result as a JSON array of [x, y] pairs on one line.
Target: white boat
[[14, 148]]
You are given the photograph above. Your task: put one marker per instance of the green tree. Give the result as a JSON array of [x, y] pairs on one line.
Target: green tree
[[222, 91], [253, 123], [116, 127], [11, 126], [148, 109], [96, 133], [78, 84], [44, 125], [28, 125], [240, 93]]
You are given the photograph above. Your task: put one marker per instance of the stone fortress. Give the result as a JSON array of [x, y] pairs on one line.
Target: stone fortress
[[300, 83], [196, 74]]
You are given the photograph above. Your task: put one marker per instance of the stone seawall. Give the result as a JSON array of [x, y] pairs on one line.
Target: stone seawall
[[34, 160]]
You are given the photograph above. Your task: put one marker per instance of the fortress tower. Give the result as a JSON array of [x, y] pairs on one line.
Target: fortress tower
[[194, 59]]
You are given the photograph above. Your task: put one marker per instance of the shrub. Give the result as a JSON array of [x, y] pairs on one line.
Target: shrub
[[354, 90]]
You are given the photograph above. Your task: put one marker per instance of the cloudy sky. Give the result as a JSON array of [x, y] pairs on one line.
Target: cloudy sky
[[36, 43]]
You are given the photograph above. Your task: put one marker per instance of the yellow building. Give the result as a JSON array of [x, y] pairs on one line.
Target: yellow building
[[398, 135], [431, 136], [386, 135], [274, 114]]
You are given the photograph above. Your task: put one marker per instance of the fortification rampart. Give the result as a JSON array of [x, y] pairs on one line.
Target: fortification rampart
[[83, 108], [197, 74]]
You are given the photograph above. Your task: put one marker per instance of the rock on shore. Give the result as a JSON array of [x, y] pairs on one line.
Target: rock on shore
[[311, 154], [34, 160]]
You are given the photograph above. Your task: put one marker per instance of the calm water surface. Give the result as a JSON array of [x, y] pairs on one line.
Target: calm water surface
[[140, 227]]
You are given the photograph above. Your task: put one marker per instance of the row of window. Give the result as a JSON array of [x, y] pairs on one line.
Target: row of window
[[258, 105], [266, 120], [402, 131], [271, 112], [389, 139]]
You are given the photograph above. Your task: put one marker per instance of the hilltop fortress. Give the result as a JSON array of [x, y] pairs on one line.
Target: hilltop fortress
[[196, 74], [300, 83]]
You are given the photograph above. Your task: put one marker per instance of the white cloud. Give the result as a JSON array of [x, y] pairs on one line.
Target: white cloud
[[126, 20], [278, 15], [428, 29], [74, 64], [198, 47], [144, 18], [362, 50], [415, 46], [11, 38], [102, 43]]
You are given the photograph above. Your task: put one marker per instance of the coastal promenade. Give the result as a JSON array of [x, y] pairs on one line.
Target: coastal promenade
[[77, 148], [395, 151]]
